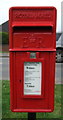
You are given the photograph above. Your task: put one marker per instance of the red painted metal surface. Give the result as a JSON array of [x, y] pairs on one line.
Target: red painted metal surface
[[32, 29]]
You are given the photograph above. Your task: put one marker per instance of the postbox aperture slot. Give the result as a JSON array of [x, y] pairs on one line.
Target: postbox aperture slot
[[43, 29]]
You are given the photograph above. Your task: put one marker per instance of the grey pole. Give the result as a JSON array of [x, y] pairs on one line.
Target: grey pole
[[31, 116]]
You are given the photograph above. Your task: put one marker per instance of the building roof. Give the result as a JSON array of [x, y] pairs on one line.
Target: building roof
[[4, 27]]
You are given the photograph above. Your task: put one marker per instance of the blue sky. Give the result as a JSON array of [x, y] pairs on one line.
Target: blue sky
[[6, 4]]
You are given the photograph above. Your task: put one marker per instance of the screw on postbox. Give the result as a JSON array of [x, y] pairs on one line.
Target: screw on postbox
[[32, 58]]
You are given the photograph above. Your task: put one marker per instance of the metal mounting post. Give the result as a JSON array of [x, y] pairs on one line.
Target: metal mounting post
[[31, 116]]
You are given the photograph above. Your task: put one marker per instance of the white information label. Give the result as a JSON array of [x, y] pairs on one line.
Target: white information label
[[32, 78]]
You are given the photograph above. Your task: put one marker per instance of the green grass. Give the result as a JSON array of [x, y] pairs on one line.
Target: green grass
[[6, 113], [57, 111]]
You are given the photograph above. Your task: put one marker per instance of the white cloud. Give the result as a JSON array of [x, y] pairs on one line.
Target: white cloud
[[6, 4]]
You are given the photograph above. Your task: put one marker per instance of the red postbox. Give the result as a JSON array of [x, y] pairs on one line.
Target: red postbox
[[32, 58]]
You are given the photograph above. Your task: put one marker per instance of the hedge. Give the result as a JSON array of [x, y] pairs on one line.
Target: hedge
[[4, 38]]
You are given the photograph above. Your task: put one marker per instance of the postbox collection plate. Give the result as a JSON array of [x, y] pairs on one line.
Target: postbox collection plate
[[32, 78], [32, 46]]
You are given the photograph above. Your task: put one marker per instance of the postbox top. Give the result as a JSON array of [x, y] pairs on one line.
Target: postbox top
[[32, 28], [34, 16], [32, 7]]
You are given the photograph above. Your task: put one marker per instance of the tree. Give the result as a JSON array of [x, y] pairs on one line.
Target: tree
[[4, 38]]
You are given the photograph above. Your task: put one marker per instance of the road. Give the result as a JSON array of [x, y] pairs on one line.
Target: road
[[4, 70], [59, 73]]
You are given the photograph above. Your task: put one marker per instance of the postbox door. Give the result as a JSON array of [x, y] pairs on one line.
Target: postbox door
[[42, 97]]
